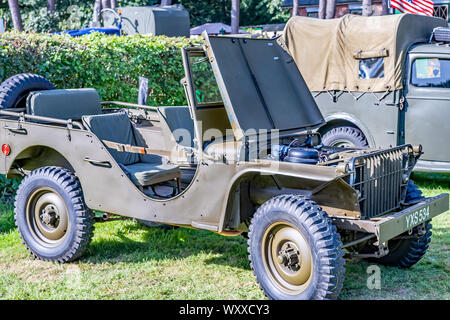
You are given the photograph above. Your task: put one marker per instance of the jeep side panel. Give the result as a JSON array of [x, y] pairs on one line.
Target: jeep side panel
[[106, 188]]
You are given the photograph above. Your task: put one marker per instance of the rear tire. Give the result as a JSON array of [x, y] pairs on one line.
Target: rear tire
[[345, 137], [14, 90], [295, 251], [53, 221]]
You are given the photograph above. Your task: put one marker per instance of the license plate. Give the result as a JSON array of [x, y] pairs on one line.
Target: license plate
[[417, 217]]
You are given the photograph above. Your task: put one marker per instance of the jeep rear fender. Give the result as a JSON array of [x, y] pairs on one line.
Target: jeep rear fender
[[34, 157]]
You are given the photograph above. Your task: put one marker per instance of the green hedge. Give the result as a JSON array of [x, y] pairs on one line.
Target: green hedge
[[110, 64]]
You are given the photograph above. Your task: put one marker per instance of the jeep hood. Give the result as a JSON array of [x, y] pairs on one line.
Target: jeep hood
[[261, 86]]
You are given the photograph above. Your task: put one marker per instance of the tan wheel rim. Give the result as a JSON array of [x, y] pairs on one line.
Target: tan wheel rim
[[47, 217], [287, 258]]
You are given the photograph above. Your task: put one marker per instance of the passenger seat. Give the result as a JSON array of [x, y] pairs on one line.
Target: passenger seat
[[143, 170]]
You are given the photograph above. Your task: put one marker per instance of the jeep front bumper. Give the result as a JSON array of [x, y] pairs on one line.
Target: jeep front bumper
[[391, 225]]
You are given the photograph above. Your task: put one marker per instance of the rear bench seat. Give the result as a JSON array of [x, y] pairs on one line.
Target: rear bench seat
[[64, 104]]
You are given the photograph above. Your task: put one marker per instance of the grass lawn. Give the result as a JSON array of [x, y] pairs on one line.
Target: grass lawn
[[128, 261]]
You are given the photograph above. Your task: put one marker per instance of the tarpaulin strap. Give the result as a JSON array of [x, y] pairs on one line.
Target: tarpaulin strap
[[317, 94], [135, 149], [360, 54], [354, 96], [335, 95], [388, 88]]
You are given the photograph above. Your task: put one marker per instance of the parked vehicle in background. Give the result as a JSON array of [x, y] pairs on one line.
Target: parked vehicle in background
[[171, 21], [379, 81]]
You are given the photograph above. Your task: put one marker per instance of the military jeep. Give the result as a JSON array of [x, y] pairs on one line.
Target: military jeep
[[241, 158]]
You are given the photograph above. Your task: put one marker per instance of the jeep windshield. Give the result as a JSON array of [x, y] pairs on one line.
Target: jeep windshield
[[205, 87]]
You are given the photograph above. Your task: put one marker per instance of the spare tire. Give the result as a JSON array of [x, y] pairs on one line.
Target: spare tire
[[14, 90]]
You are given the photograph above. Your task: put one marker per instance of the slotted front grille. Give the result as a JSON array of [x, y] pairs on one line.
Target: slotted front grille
[[378, 179]]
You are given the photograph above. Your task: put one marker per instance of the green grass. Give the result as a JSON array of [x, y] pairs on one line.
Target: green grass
[[130, 261]]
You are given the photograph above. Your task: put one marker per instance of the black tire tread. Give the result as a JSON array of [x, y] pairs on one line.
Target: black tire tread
[[84, 217], [16, 86], [327, 240], [410, 251], [413, 253], [351, 132]]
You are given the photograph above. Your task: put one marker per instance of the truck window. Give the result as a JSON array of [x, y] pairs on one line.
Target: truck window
[[371, 68], [205, 86], [431, 72]]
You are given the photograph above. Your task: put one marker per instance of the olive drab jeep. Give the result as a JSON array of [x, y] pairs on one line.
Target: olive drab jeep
[[241, 159]]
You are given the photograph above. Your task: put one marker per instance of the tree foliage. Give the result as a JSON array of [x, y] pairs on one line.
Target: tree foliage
[[73, 14]]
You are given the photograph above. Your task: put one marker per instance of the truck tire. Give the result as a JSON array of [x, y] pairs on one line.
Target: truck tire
[[14, 90], [404, 253], [413, 193], [53, 221], [345, 137], [295, 251]]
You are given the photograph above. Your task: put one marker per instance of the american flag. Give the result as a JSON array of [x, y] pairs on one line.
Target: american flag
[[422, 7]]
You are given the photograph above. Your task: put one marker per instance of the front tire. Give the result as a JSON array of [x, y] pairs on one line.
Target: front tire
[[404, 253], [295, 251], [53, 221]]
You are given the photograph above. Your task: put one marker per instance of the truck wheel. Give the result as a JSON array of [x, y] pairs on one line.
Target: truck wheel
[[345, 137], [413, 193], [295, 251], [53, 221], [14, 90], [404, 253]]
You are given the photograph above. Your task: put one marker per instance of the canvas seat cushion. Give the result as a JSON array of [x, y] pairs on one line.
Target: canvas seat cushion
[[146, 173], [64, 103], [116, 127], [180, 123]]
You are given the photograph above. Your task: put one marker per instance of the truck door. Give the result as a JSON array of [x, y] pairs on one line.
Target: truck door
[[427, 117]]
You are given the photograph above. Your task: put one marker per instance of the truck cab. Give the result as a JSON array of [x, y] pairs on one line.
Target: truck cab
[[427, 103]]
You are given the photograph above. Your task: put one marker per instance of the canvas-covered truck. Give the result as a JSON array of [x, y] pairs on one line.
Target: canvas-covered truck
[[379, 81], [241, 158]]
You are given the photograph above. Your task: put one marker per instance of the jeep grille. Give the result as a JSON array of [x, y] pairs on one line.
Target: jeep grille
[[379, 180]]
